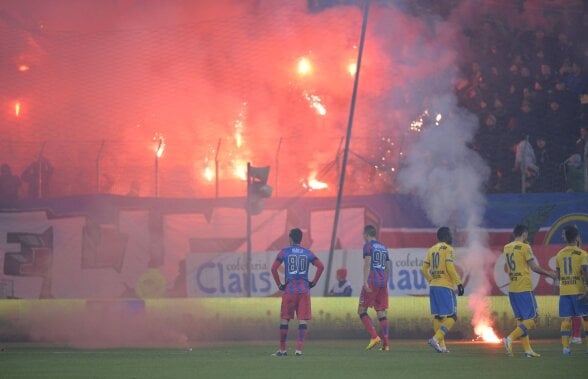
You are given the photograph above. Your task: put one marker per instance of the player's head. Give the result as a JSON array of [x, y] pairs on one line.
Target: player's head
[[369, 232], [519, 230], [571, 233], [444, 235], [295, 236], [341, 274]]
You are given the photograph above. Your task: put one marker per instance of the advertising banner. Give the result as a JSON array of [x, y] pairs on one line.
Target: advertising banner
[[115, 247]]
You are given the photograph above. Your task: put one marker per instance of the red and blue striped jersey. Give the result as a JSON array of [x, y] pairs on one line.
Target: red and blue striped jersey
[[379, 255], [296, 261]]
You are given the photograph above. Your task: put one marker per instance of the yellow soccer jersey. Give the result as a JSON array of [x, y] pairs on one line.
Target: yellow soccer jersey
[[569, 262], [438, 267], [517, 255]]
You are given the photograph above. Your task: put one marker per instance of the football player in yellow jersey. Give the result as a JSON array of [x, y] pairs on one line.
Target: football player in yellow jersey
[[440, 272], [571, 264], [520, 261]]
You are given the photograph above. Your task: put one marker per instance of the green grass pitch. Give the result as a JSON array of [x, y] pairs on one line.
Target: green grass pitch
[[322, 359]]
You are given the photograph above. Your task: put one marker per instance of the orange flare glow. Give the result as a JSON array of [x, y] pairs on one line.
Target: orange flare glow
[[238, 139], [208, 174], [486, 333], [352, 69], [314, 184], [315, 103], [23, 68], [304, 66], [240, 169], [159, 144], [17, 108]]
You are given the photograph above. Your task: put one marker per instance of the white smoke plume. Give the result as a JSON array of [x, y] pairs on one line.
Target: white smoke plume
[[443, 172]]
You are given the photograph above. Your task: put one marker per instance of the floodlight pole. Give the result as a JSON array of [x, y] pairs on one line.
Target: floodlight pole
[[98, 158], [156, 175], [366, 8], [40, 171], [157, 153]]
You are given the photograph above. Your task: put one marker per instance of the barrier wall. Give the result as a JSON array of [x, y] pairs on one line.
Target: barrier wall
[[108, 247], [179, 322]]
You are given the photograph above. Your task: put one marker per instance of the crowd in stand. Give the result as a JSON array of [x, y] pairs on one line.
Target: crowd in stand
[[529, 89]]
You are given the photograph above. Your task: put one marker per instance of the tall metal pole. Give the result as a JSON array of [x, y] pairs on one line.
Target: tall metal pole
[[156, 175], [248, 212], [216, 169], [366, 9], [98, 157], [40, 178]]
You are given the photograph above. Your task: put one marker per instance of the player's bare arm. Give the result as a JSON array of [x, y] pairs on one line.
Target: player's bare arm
[[541, 271]]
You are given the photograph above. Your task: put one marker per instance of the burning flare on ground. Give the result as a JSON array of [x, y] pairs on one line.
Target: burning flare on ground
[[484, 331], [17, 108], [482, 320]]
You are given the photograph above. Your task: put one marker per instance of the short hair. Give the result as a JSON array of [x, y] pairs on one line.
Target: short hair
[[444, 234], [370, 230], [295, 235], [571, 233], [519, 229]]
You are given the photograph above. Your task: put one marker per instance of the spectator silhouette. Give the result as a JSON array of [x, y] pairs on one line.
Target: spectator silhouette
[[548, 179], [526, 162], [9, 185], [37, 175]]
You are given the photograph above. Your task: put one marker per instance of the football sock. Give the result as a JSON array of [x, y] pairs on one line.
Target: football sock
[[566, 332], [522, 329], [526, 343], [283, 336], [367, 323], [436, 325], [302, 329], [385, 325], [444, 328]]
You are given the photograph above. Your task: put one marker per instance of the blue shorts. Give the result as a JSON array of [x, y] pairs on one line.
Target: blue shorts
[[523, 305], [569, 306], [443, 301]]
